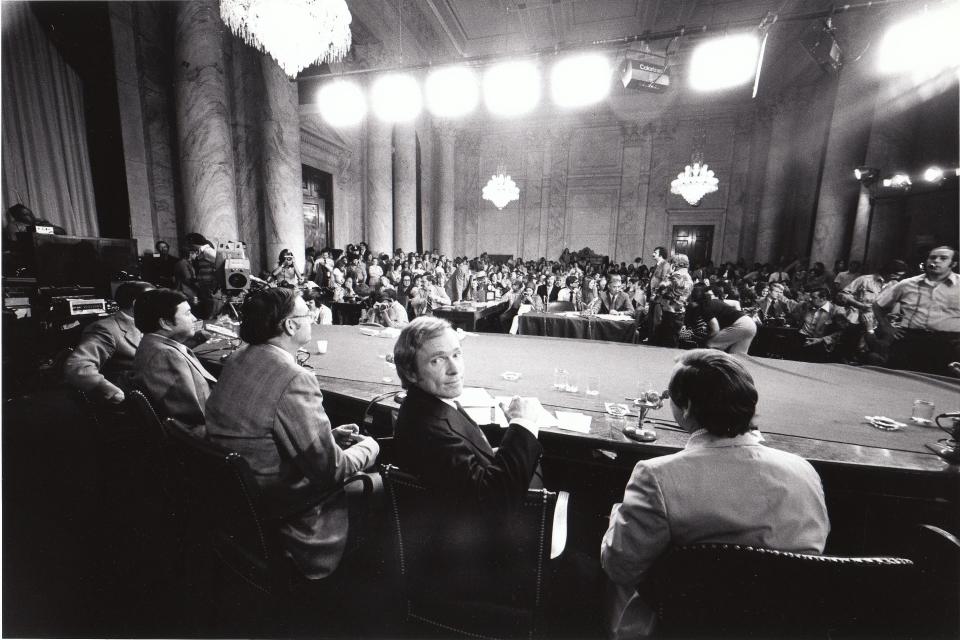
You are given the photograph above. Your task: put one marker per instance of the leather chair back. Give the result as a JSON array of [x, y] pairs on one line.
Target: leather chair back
[[725, 590], [483, 587]]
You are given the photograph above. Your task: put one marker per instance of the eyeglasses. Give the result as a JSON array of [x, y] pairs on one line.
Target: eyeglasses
[[304, 315]]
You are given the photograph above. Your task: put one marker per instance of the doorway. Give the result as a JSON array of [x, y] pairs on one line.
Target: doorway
[[317, 207], [696, 241]]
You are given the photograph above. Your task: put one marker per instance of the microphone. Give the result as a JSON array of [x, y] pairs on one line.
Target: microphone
[[259, 281]]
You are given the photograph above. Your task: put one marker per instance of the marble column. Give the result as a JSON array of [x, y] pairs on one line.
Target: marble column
[[378, 218], [446, 166], [846, 147], [776, 175], [861, 226], [203, 123], [405, 187], [282, 174]]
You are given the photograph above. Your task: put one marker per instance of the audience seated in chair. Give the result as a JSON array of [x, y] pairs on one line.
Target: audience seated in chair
[[269, 410], [164, 368], [725, 486]]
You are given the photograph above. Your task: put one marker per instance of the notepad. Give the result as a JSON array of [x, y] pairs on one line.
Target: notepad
[[544, 417], [573, 421]]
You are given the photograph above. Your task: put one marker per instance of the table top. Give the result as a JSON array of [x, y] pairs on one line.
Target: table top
[[814, 410]]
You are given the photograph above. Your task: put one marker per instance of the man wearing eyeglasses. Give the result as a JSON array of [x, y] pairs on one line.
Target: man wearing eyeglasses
[[269, 409]]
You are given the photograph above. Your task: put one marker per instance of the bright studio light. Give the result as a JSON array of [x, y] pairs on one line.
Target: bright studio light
[[511, 88], [933, 174], [396, 98], [924, 44], [580, 80], [724, 62], [342, 103], [452, 91]]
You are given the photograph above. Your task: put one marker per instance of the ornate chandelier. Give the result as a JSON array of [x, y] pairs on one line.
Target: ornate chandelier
[[695, 182], [296, 33], [501, 190]]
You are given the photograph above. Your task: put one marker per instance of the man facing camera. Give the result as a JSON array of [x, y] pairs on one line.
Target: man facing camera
[[269, 409], [104, 358], [725, 486], [439, 443], [165, 369]]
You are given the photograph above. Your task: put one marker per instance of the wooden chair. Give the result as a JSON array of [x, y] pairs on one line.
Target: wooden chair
[[445, 592], [559, 307], [731, 591]]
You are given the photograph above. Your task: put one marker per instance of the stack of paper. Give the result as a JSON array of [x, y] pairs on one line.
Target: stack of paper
[[573, 421]]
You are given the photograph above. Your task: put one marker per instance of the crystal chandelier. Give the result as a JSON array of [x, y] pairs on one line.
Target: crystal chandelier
[[696, 181], [501, 190], [296, 33]]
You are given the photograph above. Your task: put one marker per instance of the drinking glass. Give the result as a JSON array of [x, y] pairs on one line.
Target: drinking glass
[[560, 379], [922, 412], [593, 386]]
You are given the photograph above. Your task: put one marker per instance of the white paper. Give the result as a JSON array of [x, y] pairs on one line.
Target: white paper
[[476, 397], [544, 417], [573, 421]]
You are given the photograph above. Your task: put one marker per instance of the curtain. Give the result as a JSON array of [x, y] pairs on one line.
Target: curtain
[[46, 165]]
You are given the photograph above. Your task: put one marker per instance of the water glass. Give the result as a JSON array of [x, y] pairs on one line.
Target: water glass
[[389, 370], [560, 379], [922, 412], [593, 386]]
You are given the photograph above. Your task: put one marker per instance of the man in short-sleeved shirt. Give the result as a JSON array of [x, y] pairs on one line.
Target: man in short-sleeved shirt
[[929, 336]]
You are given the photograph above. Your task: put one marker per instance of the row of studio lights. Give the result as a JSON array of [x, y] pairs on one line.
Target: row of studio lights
[[924, 43]]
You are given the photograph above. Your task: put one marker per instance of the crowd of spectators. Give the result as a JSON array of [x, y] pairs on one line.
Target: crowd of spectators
[[674, 303]]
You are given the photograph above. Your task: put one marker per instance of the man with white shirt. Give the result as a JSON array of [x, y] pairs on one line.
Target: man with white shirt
[[928, 338]]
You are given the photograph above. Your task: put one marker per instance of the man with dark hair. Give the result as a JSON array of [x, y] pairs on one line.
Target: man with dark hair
[[571, 292], [102, 361], [723, 487], [672, 297], [615, 301], [269, 409], [860, 292], [164, 265], [164, 368], [928, 338], [661, 268], [818, 332]]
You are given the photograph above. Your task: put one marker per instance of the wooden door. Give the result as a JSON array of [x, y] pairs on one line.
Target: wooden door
[[696, 241]]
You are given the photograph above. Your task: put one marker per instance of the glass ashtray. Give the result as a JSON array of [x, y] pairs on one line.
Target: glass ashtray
[[511, 376]]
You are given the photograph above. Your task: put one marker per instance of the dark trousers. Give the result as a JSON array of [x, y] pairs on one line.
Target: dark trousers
[[925, 351], [667, 332]]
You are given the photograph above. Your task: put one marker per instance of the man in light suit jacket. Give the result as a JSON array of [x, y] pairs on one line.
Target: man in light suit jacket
[[102, 361], [165, 369], [269, 409], [725, 486]]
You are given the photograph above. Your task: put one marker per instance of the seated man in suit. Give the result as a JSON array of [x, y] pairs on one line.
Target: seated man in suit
[[439, 443], [102, 361], [269, 409], [725, 486], [549, 290], [615, 301], [164, 368]]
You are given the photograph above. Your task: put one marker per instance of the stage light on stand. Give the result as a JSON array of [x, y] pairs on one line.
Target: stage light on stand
[[898, 181], [451, 91], [396, 98], [580, 80], [866, 175], [724, 62], [342, 103], [511, 88]]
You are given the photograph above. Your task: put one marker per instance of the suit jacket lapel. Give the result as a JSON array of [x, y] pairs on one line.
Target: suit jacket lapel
[[458, 422], [129, 330]]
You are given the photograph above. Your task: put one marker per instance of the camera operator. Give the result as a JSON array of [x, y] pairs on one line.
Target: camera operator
[[286, 274], [386, 311]]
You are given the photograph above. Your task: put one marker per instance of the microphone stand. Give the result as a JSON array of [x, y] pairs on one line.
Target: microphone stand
[[947, 448]]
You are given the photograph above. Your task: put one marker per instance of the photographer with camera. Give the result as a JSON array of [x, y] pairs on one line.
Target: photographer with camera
[[385, 310], [286, 274]]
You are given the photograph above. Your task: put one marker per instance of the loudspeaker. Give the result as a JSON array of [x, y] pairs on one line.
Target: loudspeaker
[[236, 274]]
